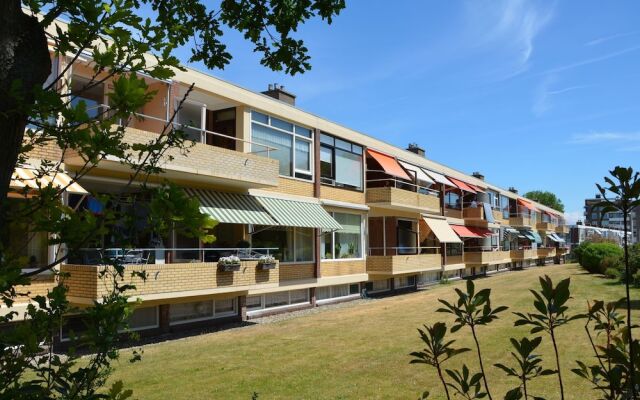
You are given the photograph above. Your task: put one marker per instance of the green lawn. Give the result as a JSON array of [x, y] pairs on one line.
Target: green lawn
[[359, 352]]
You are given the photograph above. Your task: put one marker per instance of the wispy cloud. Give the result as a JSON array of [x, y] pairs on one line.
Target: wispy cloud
[[605, 137], [589, 61], [544, 94], [603, 39], [509, 26], [573, 216]]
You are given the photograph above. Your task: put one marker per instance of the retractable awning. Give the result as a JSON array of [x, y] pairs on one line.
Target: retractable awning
[[533, 236], [28, 179], [420, 175], [467, 231], [439, 178], [462, 185], [553, 237], [442, 230], [526, 205], [232, 208], [301, 214], [389, 164]]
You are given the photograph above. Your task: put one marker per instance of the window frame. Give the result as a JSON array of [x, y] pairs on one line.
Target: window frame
[[214, 314], [288, 305], [332, 148], [295, 137], [333, 240], [294, 254]]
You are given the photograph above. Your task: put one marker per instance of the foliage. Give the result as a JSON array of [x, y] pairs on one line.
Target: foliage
[[612, 273], [597, 257], [528, 366], [437, 350], [472, 309], [125, 48], [547, 198], [465, 384]]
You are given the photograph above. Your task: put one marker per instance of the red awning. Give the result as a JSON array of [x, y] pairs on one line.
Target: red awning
[[484, 232], [476, 188], [389, 164], [526, 204], [462, 186], [465, 231]]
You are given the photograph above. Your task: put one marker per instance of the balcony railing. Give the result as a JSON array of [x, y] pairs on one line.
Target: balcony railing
[[421, 259], [203, 133], [165, 255], [399, 184], [521, 220], [403, 250], [395, 193]]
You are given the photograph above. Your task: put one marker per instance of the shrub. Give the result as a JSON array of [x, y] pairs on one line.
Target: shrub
[[612, 273], [592, 257]]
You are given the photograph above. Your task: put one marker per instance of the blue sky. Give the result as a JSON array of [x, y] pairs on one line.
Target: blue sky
[[534, 94]]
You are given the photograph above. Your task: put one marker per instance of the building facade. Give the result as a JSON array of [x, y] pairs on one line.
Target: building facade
[[341, 212], [593, 216]]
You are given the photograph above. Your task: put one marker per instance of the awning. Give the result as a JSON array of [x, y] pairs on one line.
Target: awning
[[420, 175], [439, 178], [466, 231], [484, 232], [509, 229], [389, 164], [28, 178], [231, 208], [532, 236], [476, 188], [461, 185], [302, 214], [442, 230], [553, 237], [488, 213], [526, 204]]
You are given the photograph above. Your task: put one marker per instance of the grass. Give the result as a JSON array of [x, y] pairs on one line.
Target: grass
[[362, 351]]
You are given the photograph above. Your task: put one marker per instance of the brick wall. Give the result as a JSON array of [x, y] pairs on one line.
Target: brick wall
[[337, 268], [403, 197], [83, 280], [337, 194], [400, 264], [293, 186], [47, 151], [40, 286], [292, 272]]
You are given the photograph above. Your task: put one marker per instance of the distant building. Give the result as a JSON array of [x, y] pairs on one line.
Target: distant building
[[594, 217], [580, 233]]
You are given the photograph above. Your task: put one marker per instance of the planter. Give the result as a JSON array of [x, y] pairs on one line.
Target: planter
[[267, 265], [229, 267]]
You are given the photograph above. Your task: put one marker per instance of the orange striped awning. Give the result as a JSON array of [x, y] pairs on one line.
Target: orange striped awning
[[462, 185], [389, 164], [526, 204], [28, 178]]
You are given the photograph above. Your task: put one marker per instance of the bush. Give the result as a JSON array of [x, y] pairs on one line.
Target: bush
[[612, 273], [597, 257]]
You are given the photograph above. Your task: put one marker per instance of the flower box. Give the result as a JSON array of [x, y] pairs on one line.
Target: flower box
[[230, 267], [267, 262], [231, 263], [267, 265]]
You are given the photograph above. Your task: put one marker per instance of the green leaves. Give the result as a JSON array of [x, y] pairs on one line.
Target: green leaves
[[437, 350], [466, 384], [471, 308]]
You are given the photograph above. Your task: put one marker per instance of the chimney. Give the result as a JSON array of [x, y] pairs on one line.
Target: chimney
[[478, 175], [414, 148], [277, 92], [513, 190], [598, 196]]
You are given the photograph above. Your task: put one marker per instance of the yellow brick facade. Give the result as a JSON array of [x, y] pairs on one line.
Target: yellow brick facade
[[40, 286], [293, 186], [403, 198], [338, 194], [338, 268], [292, 272], [392, 265]]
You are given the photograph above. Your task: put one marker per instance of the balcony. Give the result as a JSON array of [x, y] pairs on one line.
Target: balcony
[[185, 277], [562, 251], [486, 257], [524, 254], [499, 216], [403, 264], [476, 214], [547, 252], [212, 159], [453, 213], [521, 221], [562, 229], [546, 226], [401, 199]]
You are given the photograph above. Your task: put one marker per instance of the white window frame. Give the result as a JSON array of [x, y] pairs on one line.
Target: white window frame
[[333, 298], [214, 315], [333, 240], [203, 117], [142, 328], [296, 137], [288, 305]]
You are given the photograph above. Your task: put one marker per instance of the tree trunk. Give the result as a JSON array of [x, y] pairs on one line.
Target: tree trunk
[[24, 65]]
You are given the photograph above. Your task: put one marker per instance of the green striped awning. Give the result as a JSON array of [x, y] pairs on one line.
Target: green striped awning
[[298, 213], [231, 208]]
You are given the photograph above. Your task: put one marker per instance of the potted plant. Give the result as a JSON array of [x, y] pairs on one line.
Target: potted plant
[[267, 262], [231, 263]]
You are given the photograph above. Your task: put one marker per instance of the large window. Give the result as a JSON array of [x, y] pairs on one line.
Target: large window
[[293, 144], [504, 206], [340, 162], [293, 244], [452, 200], [181, 313], [278, 299], [345, 243]]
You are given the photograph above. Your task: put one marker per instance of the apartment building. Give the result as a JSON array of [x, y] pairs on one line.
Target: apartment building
[[612, 220], [341, 212], [580, 233]]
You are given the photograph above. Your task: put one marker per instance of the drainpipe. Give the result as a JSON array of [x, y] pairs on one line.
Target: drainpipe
[[316, 194]]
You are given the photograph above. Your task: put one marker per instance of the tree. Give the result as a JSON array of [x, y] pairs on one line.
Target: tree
[[38, 110], [547, 198]]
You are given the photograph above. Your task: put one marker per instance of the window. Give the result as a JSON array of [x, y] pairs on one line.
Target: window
[[379, 286], [181, 313], [407, 236], [405, 281], [504, 206], [340, 162], [143, 318], [190, 116], [92, 97], [494, 200], [454, 249], [452, 200], [292, 244], [293, 144], [345, 243], [279, 299], [332, 292]]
